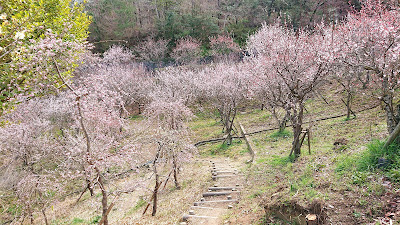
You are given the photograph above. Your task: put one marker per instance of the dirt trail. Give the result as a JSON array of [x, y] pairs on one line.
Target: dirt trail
[[221, 196]]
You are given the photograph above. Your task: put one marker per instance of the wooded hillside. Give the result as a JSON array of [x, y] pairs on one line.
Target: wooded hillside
[[131, 21]]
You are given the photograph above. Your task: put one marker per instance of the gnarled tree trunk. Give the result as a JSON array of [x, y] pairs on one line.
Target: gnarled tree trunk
[[297, 122]]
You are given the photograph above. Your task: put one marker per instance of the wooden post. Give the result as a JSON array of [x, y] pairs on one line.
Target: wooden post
[[311, 219], [308, 140], [252, 153]]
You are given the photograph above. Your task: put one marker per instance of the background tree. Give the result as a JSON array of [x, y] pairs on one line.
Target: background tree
[[226, 87], [187, 51], [117, 76], [223, 48], [152, 50], [168, 113]]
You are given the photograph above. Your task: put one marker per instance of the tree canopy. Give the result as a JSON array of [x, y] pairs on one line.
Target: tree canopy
[[25, 27]]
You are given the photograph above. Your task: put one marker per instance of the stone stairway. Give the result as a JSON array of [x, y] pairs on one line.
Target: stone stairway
[[222, 196]]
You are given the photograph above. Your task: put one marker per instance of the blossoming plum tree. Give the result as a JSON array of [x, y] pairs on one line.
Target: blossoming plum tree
[[226, 86], [223, 48], [290, 66], [187, 50], [371, 41], [168, 113]]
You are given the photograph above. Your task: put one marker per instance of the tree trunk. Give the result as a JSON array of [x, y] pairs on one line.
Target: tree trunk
[[282, 124], [388, 101], [175, 165], [348, 102], [390, 117], [155, 192], [104, 200], [297, 121], [45, 217], [157, 177], [89, 187], [296, 140], [30, 215]]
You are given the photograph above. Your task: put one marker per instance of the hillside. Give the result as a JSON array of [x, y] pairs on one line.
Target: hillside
[[276, 188]]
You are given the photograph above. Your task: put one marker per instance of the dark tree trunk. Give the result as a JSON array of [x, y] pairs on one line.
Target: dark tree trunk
[[155, 193], [390, 115], [30, 215], [45, 217], [389, 109], [157, 185], [89, 187], [348, 103], [140, 109], [175, 165], [297, 121], [104, 200], [282, 124]]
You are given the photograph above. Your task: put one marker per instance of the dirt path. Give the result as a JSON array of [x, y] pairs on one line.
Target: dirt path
[[221, 196]]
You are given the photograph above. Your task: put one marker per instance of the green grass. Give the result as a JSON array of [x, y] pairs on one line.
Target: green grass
[[373, 159], [136, 117], [95, 219], [78, 221], [226, 150], [281, 161], [281, 134]]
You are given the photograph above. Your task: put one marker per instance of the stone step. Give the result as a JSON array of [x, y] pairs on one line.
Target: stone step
[[204, 207], [226, 176], [207, 194], [216, 201], [223, 188], [186, 217], [224, 171]]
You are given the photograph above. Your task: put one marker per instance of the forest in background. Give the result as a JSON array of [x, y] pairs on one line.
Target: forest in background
[[130, 22]]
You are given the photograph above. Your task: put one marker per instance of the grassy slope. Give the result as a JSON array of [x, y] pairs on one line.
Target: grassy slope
[[272, 181]]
